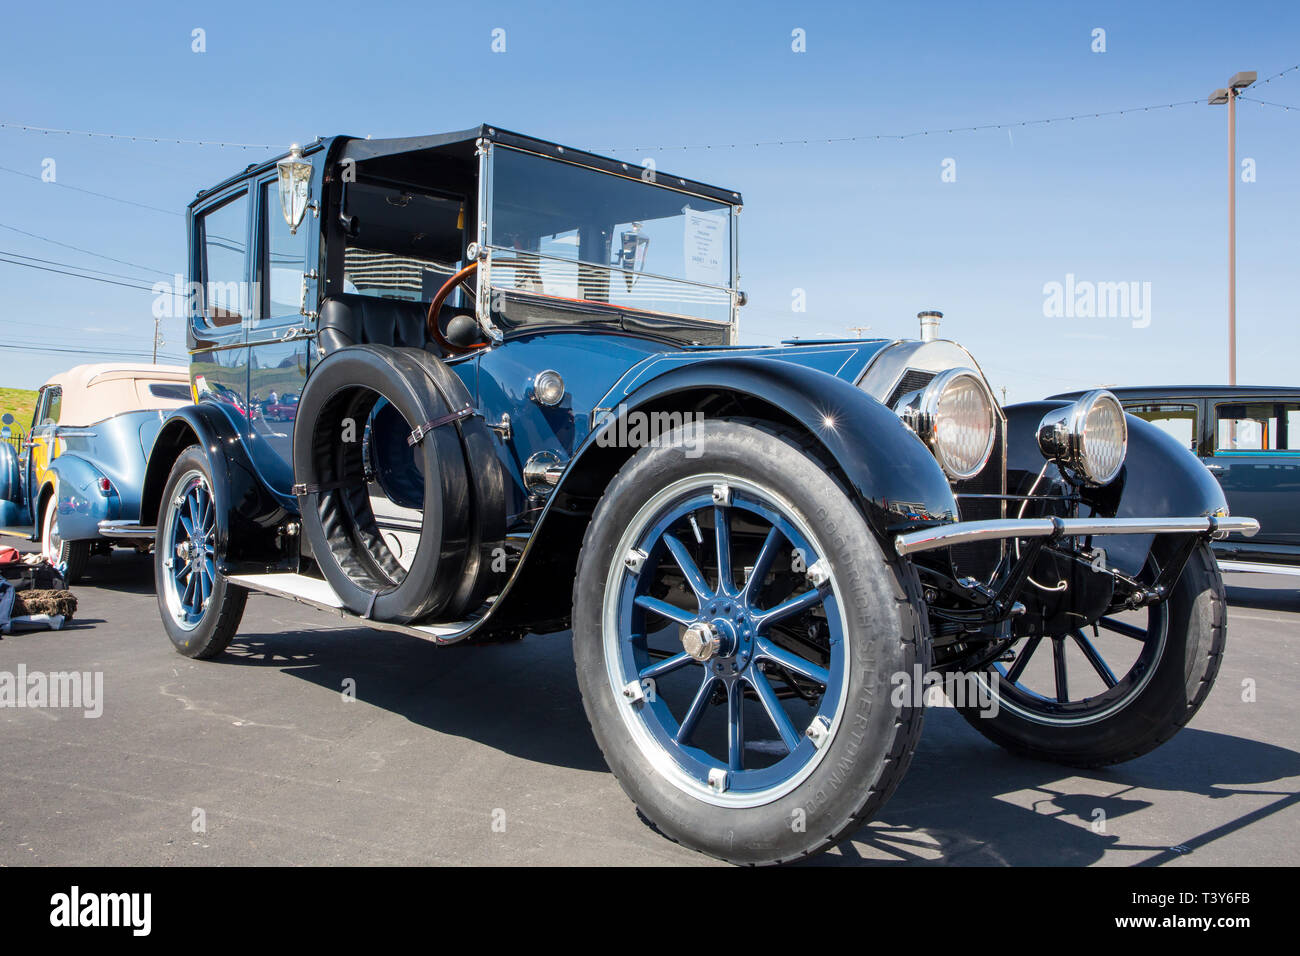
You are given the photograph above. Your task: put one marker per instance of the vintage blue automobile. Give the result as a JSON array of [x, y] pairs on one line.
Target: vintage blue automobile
[[79, 475], [509, 398]]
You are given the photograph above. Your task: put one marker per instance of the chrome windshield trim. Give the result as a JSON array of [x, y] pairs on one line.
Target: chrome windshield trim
[[965, 532]]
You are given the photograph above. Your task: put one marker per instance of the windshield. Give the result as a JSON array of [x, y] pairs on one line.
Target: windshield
[[567, 231]]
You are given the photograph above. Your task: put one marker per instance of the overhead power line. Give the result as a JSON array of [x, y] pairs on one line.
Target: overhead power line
[[88, 350], [79, 275], [70, 265], [97, 255], [89, 192]]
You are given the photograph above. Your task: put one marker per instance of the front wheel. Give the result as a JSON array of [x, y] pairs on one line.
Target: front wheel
[[1116, 689], [200, 609], [735, 631], [69, 557]]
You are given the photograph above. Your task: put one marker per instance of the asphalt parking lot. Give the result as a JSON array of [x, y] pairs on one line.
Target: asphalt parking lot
[[482, 755]]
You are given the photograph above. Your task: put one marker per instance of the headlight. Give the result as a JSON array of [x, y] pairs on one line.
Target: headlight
[[548, 387], [954, 416], [1088, 439]]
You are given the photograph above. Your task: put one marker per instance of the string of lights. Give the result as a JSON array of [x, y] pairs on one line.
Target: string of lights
[[1278, 75], [134, 138], [1281, 106], [896, 137]]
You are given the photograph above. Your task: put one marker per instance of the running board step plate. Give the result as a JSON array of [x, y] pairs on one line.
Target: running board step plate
[[317, 593]]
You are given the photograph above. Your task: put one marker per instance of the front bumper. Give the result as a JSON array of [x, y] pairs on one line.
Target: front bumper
[[966, 532]]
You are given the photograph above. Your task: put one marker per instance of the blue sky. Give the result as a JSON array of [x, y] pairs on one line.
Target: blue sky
[[868, 230]]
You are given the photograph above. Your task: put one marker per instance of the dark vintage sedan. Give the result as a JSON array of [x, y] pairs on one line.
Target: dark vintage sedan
[[1249, 439]]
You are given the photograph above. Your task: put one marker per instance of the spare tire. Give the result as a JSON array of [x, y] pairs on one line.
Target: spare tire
[[362, 397]]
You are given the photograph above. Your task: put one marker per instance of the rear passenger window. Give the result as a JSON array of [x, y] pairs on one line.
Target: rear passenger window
[[1175, 419], [1256, 426], [223, 247]]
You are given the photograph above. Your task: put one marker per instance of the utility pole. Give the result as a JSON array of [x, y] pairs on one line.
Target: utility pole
[[157, 337], [1229, 96]]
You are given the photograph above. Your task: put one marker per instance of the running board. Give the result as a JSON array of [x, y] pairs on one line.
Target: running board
[[317, 593], [1254, 567]]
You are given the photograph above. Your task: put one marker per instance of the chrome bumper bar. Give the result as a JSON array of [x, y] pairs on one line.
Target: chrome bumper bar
[[965, 532], [126, 529]]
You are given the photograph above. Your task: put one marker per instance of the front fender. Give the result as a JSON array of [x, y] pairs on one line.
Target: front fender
[[1160, 479], [249, 515], [895, 479]]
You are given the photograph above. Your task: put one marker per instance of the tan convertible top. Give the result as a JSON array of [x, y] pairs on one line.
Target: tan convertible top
[[92, 393]]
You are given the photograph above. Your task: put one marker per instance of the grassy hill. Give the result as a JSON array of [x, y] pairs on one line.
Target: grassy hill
[[20, 403]]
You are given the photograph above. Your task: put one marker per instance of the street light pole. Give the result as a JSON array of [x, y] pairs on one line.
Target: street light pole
[[1229, 96]]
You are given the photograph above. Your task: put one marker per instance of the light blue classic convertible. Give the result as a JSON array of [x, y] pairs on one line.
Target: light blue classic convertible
[[75, 486]]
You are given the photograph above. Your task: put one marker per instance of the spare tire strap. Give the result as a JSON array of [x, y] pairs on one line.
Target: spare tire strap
[[307, 488], [417, 435]]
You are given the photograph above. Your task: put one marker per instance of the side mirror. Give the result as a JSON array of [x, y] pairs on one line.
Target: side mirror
[[295, 185], [6, 419]]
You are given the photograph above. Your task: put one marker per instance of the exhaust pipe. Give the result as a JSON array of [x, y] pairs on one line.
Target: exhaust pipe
[[929, 325]]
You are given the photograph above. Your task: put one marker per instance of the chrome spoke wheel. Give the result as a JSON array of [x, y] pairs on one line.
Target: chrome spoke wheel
[[188, 543], [725, 640]]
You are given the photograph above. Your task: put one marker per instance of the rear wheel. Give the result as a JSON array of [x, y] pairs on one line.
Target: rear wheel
[[735, 630], [200, 609], [69, 557], [1114, 690]]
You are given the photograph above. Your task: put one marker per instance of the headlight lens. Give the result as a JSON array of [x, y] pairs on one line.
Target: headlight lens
[[953, 415], [548, 387], [1088, 439]]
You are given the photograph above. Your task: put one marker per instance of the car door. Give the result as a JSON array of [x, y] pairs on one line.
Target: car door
[[1255, 455], [278, 337], [42, 440], [220, 308]]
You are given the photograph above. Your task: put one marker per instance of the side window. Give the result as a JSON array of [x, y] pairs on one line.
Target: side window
[[1176, 419], [223, 249], [284, 258], [1256, 426], [52, 405]]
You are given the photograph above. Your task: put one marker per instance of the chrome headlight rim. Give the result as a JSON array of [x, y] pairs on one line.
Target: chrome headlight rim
[[1063, 437], [919, 410]]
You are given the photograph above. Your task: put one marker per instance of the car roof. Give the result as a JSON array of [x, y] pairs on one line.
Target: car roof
[[1192, 391], [356, 148]]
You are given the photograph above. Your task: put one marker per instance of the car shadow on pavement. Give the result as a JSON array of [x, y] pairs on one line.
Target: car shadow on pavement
[[963, 801], [519, 697], [966, 801]]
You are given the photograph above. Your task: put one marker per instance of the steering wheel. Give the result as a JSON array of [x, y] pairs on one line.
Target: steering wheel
[[435, 332]]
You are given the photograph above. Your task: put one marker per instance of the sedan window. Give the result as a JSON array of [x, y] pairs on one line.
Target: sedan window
[[1256, 426], [1178, 420]]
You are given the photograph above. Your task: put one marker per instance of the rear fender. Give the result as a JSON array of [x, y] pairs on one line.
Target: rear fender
[[82, 506], [249, 515]]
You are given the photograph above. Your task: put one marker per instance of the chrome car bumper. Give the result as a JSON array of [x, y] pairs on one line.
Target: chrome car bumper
[[126, 529], [966, 532]]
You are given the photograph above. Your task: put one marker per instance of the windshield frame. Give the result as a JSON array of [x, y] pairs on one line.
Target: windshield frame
[[487, 170]]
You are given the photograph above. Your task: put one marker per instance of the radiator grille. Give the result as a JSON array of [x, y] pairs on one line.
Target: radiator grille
[[911, 381]]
